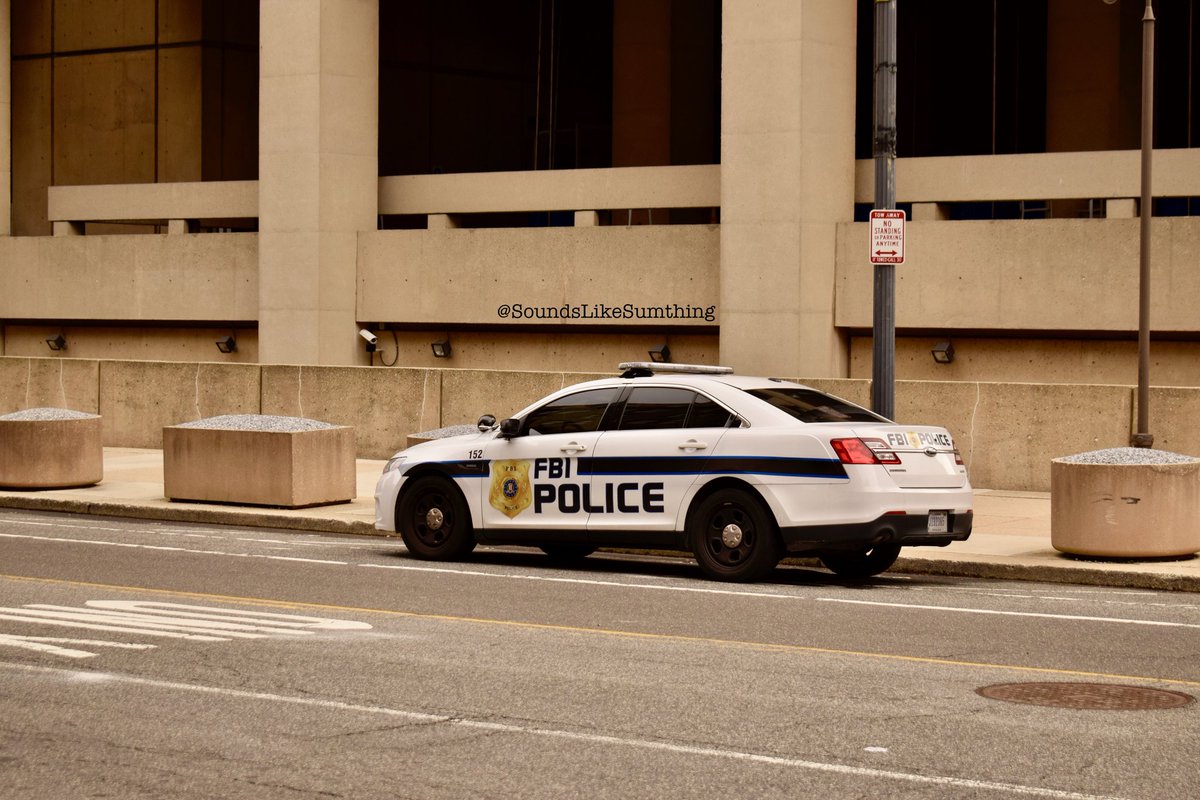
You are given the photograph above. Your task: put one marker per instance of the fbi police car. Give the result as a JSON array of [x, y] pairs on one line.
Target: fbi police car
[[738, 470]]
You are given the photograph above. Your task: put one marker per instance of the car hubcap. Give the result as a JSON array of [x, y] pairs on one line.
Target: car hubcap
[[434, 519], [730, 536]]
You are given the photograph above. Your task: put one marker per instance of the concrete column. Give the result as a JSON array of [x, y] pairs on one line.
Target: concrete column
[[787, 180], [318, 177], [5, 118]]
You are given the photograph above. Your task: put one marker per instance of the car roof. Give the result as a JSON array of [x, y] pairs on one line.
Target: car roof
[[718, 381], [698, 374]]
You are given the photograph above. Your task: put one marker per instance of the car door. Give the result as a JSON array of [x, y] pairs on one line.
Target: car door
[[535, 485], [641, 471]]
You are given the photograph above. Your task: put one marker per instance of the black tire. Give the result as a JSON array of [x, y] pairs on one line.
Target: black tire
[[862, 563], [733, 537], [568, 552], [434, 520]]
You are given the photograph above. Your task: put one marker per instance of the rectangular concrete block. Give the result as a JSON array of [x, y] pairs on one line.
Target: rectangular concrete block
[[290, 469]]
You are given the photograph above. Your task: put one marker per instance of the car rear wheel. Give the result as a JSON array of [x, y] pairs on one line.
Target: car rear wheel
[[863, 563], [434, 520], [568, 552], [733, 537]]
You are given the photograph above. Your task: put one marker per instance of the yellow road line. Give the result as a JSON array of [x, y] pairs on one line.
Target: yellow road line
[[664, 637]]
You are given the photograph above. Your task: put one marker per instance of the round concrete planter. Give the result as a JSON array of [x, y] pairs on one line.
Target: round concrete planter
[[1125, 510], [50, 449]]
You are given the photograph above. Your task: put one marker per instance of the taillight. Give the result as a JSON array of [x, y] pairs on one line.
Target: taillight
[[863, 451], [958, 459]]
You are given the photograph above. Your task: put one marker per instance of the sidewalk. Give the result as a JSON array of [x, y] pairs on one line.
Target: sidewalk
[[1011, 537]]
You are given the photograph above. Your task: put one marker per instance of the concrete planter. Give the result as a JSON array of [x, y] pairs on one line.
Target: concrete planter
[[1149, 510], [50, 448], [286, 462], [440, 433]]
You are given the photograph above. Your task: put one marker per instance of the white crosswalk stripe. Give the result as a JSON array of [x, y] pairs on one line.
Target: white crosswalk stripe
[[162, 620]]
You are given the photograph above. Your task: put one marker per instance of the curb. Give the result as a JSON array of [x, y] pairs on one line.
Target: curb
[[191, 513], [1043, 573]]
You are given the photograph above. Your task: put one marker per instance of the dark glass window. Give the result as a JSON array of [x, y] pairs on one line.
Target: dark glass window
[[707, 414], [809, 405], [661, 408], [481, 86], [651, 407], [576, 413]]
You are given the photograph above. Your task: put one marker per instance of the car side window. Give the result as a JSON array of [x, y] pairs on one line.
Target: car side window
[[576, 413], [655, 408], [707, 413]]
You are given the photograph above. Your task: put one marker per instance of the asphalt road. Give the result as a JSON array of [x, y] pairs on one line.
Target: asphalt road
[[158, 660]]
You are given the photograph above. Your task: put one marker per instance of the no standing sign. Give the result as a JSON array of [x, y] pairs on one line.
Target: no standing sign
[[887, 236]]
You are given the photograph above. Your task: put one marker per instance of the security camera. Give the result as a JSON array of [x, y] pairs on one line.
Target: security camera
[[366, 334]]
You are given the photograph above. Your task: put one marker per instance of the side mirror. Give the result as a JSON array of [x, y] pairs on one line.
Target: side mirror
[[486, 423], [510, 428]]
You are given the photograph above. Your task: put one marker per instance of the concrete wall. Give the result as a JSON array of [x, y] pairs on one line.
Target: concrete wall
[[584, 350], [383, 405], [318, 173], [1032, 275], [787, 168], [139, 398], [187, 343], [49, 383], [1033, 176], [1007, 432], [201, 277], [1003, 360], [696, 186], [464, 276]]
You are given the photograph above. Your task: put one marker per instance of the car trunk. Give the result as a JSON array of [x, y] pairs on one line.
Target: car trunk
[[926, 454]]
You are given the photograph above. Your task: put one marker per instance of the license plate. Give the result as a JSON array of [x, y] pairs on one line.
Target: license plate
[[939, 521]]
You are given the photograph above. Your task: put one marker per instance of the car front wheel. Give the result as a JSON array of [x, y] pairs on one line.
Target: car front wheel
[[733, 537], [434, 520], [863, 563]]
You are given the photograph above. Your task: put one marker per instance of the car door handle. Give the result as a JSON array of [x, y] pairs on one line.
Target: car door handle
[[573, 447], [692, 444]]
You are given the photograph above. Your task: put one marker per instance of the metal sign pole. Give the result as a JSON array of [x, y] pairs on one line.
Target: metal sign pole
[[883, 351], [1143, 437]]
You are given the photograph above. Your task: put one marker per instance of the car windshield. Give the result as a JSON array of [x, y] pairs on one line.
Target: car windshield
[[809, 405]]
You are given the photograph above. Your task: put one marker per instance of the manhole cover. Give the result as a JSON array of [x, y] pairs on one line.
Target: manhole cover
[[1102, 696]]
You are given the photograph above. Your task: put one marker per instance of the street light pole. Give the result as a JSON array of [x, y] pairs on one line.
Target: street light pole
[[1143, 437], [883, 348]]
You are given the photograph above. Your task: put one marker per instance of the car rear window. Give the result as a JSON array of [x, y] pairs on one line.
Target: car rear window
[[809, 405]]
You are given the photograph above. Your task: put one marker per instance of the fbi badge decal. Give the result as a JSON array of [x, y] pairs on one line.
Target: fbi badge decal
[[511, 493]]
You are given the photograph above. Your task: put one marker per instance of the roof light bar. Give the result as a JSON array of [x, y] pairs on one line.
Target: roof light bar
[[659, 367]]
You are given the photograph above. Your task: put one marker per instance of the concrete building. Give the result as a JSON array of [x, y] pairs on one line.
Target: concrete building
[[563, 185]]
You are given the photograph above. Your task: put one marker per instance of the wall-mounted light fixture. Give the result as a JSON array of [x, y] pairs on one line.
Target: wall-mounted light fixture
[[660, 354], [58, 342], [943, 352], [227, 345], [441, 348]]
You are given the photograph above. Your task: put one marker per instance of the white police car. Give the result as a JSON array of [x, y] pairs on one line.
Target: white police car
[[738, 470]]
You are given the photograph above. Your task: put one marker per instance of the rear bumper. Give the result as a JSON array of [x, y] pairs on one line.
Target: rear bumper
[[909, 530]]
